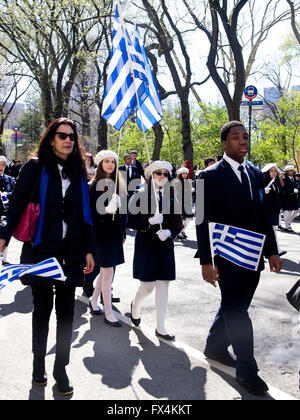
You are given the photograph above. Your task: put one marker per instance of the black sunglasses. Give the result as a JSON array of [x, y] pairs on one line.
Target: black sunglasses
[[159, 173], [63, 136]]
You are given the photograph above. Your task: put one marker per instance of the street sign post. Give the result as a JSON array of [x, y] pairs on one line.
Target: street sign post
[[250, 93], [254, 103], [16, 138]]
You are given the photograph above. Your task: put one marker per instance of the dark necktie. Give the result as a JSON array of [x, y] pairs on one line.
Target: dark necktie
[[245, 183], [160, 201], [127, 170]]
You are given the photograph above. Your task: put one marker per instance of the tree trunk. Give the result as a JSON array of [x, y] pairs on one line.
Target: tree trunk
[[102, 135], [186, 128], [159, 136]]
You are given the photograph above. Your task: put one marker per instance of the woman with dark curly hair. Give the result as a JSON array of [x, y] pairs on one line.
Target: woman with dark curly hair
[[56, 177]]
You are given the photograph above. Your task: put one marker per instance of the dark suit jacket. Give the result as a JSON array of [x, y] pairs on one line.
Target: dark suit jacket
[[139, 167], [134, 172], [225, 203]]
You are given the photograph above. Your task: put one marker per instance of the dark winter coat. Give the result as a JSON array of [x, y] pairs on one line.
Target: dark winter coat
[[109, 233], [79, 240], [290, 197], [274, 202], [154, 259]]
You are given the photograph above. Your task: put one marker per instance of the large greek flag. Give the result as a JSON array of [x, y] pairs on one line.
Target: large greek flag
[[120, 92], [240, 246], [49, 268], [150, 108]]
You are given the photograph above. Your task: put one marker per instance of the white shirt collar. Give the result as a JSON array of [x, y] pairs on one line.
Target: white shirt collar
[[233, 163]]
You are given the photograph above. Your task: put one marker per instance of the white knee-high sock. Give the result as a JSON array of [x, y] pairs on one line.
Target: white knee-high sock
[[145, 290], [107, 276], [161, 303], [97, 291]]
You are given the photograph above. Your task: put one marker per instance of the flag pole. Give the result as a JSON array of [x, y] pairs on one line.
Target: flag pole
[[136, 94], [210, 227], [117, 167]]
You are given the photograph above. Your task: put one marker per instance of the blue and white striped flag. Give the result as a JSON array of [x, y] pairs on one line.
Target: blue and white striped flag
[[150, 108], [4, 199], [240, 246], [120, 92], [49, 268]]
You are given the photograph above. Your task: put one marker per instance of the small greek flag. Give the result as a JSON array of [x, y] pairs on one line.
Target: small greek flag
[[120, 94], [4, 199], [240, 246], [150, 108], [49, 268]]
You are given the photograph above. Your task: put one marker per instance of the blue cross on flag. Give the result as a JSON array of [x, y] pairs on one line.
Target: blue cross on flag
[[240, 246]]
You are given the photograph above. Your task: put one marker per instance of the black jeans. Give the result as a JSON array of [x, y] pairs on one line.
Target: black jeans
[[43, 299]]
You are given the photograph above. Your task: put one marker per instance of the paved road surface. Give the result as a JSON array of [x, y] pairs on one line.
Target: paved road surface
[[132, 364]]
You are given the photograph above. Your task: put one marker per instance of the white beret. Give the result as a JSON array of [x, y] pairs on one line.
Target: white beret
[[289, 168], [156, 165], [103, 154], [270, 166], [183, 170], [3, 159]]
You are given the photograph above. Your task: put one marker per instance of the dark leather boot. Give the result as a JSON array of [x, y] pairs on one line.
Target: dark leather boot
[[62, 381], [39, 376]]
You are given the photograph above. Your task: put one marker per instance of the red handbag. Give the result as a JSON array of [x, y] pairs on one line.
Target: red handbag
[[26, 228]]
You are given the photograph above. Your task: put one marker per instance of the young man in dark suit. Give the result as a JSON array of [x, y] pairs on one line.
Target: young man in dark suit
[[130, 170], [234, 195]]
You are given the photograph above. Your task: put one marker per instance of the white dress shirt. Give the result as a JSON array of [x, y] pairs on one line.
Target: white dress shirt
[[65, 183], [235, 167]]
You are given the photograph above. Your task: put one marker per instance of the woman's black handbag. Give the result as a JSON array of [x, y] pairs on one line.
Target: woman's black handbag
[[293, 296]]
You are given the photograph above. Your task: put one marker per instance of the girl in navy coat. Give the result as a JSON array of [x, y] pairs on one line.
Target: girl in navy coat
[[154, 259], [109, 228]]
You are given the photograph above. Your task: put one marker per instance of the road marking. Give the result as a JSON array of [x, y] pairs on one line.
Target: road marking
[[275, 393]]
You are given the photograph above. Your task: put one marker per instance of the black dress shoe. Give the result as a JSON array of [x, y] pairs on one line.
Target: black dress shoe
[[224, 358], [62, 381], [95, 312], [112, 324], [253, 384], [165, 336], [135, 321]]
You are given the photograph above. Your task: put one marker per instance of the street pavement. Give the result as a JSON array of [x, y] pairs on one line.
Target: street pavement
[[132, 364]]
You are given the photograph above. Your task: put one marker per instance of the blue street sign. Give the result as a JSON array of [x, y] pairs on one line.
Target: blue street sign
[[254, 103], [250, 92]]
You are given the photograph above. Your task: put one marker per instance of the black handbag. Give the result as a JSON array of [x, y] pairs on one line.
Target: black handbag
[[293, 296]]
